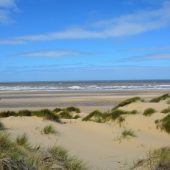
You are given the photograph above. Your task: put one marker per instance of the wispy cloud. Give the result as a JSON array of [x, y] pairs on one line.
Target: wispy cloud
[[7, 7], [125, 25], [50, 53], [163, 56]]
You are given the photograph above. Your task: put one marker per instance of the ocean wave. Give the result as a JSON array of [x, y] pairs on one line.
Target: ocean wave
[[83, 86]]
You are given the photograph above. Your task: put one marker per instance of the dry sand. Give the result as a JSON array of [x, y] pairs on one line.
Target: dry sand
[[97, 144]]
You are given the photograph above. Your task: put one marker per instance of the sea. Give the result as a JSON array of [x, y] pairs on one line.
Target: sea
[[71, 86]]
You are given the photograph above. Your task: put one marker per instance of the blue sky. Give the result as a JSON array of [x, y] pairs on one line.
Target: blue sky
[[48, 40]]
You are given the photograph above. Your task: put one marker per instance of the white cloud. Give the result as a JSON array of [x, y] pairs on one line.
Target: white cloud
[[7, 7], [52, 53], [125, 25]]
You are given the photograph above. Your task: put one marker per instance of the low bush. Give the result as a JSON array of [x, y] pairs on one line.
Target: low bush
[[158, 99], [164, 123], [71, 163], [22, 140], [73, 109], [57, 110], [128, 133], [65, 115], [95, 116], [7, 113], [24, 113], [47, 114], [158, 159], [1, 126], [127, 101], [167, 110], [76, 117], [49, 130], [149, 111]]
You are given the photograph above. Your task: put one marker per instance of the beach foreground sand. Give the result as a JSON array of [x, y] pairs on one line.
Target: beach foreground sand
[[99, 145]]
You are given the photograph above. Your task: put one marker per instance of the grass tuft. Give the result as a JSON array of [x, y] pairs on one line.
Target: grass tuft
[[22, 140], [73, 109], [24, 113], [49, 129], [167, 110], [149, 111], [164, 123], [158, 99], [2, 127], [128, 133], [65, 115], [128, 101]]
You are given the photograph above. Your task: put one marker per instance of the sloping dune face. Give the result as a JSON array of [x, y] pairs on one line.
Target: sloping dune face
[[100, 145]]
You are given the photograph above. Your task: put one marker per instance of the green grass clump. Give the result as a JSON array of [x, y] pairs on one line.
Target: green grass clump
[[65, 115], [73, 109], [158, 99], [95, 116], [49, 130], [128, 101], [57, 110], [2, 127], [149, 111], [47, 114], [164, 123], [71, 163], [167, 110], [121, 120], [158, 159], [22, 140], [128, 133], [24, 113], [114, 114], [76, 117], [7, 113]]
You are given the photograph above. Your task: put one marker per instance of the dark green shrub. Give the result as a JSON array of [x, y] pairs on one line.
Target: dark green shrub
[[24, 113], [158, 99], [96, 116], [167, 110], [57, 110], [164, 123], [47, 114], [76, 117], [8, 113], [1, 126], [65, 115], [149, 111], [73, 109], [127, 101]]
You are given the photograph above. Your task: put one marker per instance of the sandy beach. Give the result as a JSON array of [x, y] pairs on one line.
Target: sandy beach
[[98, 144]]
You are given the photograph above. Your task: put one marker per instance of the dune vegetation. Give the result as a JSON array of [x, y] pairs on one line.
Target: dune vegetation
[[160, 98], [158, 159], [149, 111], [164, 124], [17, 155]]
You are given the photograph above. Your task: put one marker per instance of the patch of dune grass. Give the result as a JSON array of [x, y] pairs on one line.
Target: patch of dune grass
[[49, 129], [149, 111], [2, 127], [128, 101], [158, 99], [71, 163], [128, 133], [164, 123], [57, 110], [158, 159], [24, 113], [168, 102], [32, 158], [22, 140], [167, 110], [95, 116], [47, 114], [8, 113], [65, 115], [73, 109], [114, 114], [76, 117], [120, 120]]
